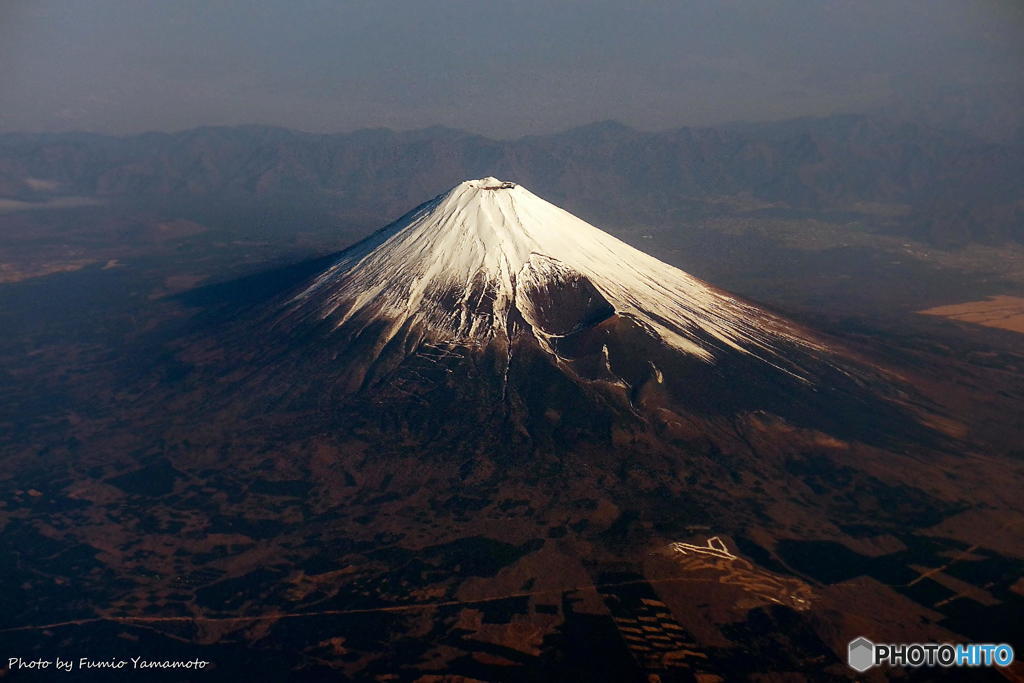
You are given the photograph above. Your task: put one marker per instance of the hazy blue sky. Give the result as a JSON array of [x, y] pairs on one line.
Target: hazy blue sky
[[502, 68]]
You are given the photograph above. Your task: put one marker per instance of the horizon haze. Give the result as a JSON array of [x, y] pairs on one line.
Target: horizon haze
[[504, 70]]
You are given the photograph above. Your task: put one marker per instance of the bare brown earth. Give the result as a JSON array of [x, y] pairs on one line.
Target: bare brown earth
[[1002, 312], [13, 272]]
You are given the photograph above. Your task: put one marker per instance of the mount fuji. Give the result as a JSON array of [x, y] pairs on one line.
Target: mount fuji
[[493, 295]]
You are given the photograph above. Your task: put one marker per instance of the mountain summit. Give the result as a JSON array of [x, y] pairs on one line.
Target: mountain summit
[[489, 260]]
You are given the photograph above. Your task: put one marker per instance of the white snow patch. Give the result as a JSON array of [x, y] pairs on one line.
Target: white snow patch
[[659, 378]]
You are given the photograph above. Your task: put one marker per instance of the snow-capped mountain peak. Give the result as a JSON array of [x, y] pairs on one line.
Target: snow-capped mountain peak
[[488, 260]]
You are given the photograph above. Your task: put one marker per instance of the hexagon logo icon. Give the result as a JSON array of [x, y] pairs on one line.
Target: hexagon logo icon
[[860, 654]]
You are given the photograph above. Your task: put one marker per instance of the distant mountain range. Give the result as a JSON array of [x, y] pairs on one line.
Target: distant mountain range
[[947, 188]]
